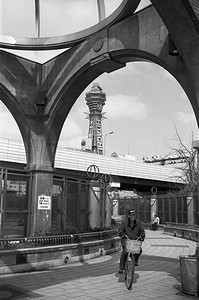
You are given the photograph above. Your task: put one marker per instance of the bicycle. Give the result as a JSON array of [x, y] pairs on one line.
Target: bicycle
[[131, 247]]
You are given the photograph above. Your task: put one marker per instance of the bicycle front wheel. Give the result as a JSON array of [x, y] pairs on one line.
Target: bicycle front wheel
[[129, 271]]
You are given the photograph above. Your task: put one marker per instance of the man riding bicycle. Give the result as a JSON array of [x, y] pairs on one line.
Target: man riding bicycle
[[132, 228]]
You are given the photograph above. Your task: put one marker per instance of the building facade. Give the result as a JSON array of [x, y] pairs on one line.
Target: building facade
[[66, 210]]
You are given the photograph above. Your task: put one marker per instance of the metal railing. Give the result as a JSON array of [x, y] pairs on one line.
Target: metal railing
[[182, 225], [37, 242], [185, 231]]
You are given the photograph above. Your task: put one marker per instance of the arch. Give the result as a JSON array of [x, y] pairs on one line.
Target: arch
[[55, 86], [14, 108], [87, 73], [76, 68]]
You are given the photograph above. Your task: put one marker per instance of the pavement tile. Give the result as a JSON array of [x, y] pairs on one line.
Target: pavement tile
[[157, 277]]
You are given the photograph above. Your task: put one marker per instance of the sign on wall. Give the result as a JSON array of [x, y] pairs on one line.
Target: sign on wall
[[44, 202]]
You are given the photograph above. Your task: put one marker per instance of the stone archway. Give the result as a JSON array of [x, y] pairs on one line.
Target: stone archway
[[45, 93], [10, 102]]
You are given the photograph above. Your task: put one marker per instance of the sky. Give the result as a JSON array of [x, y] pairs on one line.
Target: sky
[[57, 17], [144, 104]]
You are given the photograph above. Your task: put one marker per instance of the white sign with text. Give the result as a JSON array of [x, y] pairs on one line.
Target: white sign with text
[[44, 202]]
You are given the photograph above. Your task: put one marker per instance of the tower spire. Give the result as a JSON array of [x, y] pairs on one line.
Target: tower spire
[[95, 99]]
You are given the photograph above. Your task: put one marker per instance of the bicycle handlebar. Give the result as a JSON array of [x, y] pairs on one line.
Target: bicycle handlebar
[[137, 239]]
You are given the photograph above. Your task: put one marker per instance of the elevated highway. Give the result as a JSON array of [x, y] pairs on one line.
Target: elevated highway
[[127, 173]]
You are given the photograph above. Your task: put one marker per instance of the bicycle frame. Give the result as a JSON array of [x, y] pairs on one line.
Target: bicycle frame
[[133, 247], [129, 270]]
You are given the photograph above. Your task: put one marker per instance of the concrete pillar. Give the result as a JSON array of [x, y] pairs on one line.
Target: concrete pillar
[[108, 207], [41, 202], [153, 206], [94, 205], [190, 210], [102, 206]]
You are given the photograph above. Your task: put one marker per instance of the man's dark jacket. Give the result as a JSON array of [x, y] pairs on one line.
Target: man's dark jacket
[[133, 231]]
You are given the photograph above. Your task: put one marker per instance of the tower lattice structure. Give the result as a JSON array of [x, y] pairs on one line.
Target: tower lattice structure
[[95, 99]]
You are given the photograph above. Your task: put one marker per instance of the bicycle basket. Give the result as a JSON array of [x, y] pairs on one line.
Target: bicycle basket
[[132, 246]]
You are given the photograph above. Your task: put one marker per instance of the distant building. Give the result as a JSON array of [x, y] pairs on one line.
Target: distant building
[[124, 156]]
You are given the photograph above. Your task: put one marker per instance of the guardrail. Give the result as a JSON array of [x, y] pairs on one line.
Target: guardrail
[[41, 253], [182, 225], [35, 242], [190, 232]]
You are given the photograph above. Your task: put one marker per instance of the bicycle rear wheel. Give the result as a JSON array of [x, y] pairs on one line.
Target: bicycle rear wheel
[[129, 271]]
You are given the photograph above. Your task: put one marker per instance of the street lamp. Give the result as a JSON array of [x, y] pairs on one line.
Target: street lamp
[[105, 140]]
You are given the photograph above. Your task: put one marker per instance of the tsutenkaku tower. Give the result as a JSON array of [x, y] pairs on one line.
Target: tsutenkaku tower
[[95, 99]]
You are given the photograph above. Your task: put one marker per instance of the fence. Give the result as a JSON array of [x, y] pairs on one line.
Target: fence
[[172, 208], [36, 242]]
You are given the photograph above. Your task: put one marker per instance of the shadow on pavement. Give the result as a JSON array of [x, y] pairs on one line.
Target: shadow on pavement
[[161, 264], [93, 268]]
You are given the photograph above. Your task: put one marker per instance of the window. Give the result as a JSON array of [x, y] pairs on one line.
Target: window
[[15, 204], [15, 225], [57, 211]]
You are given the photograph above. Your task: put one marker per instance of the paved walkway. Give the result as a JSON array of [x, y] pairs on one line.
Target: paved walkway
[[156, 277]]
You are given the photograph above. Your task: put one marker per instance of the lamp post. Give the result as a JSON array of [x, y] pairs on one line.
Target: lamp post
[[105, 140]]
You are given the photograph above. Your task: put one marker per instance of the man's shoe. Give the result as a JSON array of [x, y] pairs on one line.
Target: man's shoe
[[120, 271], [136, 264]]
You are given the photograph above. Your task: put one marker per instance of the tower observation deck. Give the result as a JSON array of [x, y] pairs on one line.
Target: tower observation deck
[[95, 99]]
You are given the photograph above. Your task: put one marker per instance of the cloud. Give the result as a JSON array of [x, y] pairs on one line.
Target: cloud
[[71, 135], [196, 134], [9, 127], [143, 4], [183, 95], [186, 118], [125, 106], [74, 142], [38, 56], [161, 72], [3, 108], [70, 129], [132, 68]]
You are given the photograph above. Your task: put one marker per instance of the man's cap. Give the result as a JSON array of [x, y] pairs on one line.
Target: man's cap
[[131, 212]]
